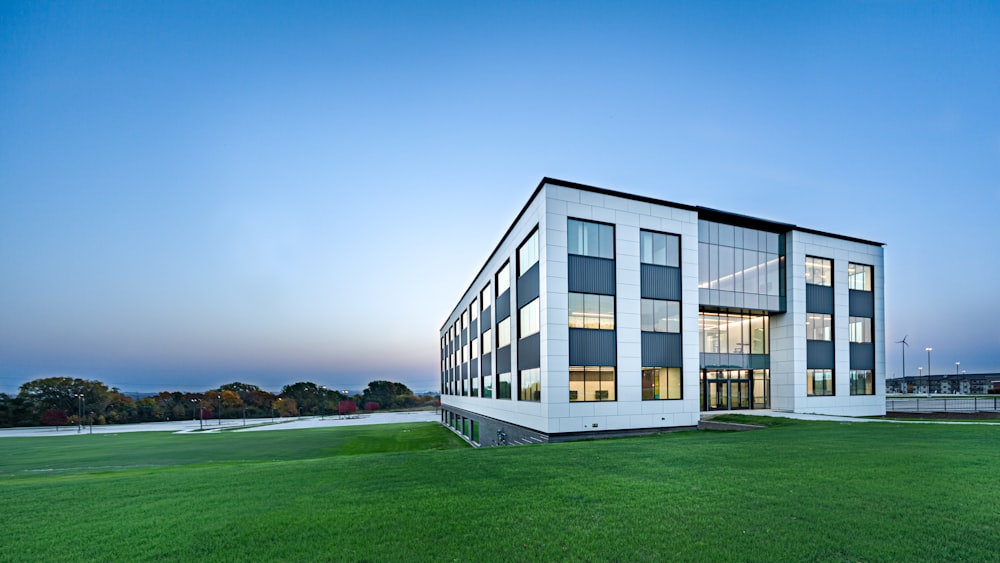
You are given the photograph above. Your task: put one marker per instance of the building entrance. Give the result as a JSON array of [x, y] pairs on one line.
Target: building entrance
[[735, 389]]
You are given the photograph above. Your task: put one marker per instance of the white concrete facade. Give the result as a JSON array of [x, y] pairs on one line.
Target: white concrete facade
[[550, 208]]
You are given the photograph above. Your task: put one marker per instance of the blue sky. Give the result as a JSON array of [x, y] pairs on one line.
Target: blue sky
[[193, 193]]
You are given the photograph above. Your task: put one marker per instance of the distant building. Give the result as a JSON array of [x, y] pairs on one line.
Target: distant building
[[956, 383], [605, 313]]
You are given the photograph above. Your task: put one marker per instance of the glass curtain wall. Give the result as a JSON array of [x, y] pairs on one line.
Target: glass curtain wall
[[740, 267], [735, 361]]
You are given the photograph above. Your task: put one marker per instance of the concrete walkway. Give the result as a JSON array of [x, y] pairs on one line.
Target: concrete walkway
[[832, 418], [233, 425]]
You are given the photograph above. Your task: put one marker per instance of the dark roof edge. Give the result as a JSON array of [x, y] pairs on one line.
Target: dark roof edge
[[496, 249], [703, 213]]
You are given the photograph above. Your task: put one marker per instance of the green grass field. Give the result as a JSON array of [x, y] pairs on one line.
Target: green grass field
[[794, 491]]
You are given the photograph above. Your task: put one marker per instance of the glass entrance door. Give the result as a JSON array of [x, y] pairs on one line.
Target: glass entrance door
[[731, 389]]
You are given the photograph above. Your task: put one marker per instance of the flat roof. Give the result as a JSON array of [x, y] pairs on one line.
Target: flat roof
[[706, 213]]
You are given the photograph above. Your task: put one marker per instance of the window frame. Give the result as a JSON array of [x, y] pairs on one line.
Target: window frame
[[601, 300], [600, 244], [811, 268], [811, 382], [667, 371], [867, 274], [522, 267], [609, 395], [676, 238]]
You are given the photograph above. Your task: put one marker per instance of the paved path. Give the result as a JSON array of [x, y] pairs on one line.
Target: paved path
[[252, 424]]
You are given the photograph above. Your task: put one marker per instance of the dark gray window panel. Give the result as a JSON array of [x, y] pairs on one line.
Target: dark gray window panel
[[529, 352], [465, 336], [661, 349], [592, 347], [485, 321], [503, 360], [527, 286], [474, 328], [465, 371], [819, 299], [819, 354], [474, 369], [862, 304], [660, 282], [735, 361], [591, 275], [503, 306], [862, 355], [487, 366]]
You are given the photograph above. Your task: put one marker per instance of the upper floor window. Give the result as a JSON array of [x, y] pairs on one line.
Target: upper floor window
[[528, 318], [591, 239], [485, 298], [503, 333], [587, 310], [860, 329], [819, 271], [819, 326], [659, 249], [487, 340], [503, 279], [658, 315], [474, 309], [465, 320], [859, 277], [527, 255]]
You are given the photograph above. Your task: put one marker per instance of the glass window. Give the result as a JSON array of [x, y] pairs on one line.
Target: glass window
[[465, 353], [531, 385], [487, 386], [661, 383], [657, 315], [485, 298], [528, 317], [819, 326], [487, 341], [474, 387], [819, 271], [819, 382], [465, 320], [503, 386], [860, 329], [474, 309], [590, 239], [503, 279], [859, 277], [588, 310], [591, 383], [862, 382], [659, 248], [475, 348], [503, 333], [527, 255]]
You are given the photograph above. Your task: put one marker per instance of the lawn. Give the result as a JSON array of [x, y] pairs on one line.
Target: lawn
[[794, 491]]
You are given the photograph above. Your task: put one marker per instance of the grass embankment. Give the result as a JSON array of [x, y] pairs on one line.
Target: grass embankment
[[794, 491]]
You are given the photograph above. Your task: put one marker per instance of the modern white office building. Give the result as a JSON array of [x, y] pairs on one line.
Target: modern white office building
[[605, 313]]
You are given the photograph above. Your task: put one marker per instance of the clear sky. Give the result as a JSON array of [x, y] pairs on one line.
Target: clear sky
[[193, 193]]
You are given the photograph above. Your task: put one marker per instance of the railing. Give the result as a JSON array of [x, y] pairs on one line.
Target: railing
[[942, 404]]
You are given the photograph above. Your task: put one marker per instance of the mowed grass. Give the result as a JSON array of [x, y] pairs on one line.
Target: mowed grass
[[794, 491]]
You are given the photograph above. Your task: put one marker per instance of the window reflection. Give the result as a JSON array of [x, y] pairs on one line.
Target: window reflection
[[819, 382], [590, 239], [530, 385], [739, 267], [591, 311], [528, 317], [659, 248], [722, 333], [860, 329], [503, 279], [527, 255], [819, 326], [862, 382], [819, 271], [859, 277], [657, 315]]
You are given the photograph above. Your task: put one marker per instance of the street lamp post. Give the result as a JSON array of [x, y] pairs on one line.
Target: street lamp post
[[194, 403], [322, 401], [220, 410], [928, 370], [920, 375], [956, 367], [79, 412]]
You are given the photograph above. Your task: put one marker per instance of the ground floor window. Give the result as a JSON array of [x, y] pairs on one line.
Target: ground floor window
[[591, 383], [530, 385], [474, 390], [730, 389], [503, 386], [819, 382], [465, 387], [862, 382], [661, 383], [487, 386]]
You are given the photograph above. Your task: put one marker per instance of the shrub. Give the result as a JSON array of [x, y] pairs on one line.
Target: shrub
[[55, 417], [371, 406], [347, 406]]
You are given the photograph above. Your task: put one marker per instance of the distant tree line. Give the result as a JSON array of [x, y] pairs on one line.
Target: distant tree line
[[58, 401]]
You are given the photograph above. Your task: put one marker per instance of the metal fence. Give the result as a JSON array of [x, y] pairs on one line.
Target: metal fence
[[941, 404]]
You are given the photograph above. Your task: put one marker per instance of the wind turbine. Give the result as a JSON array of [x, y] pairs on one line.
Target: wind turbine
[[904, 345]]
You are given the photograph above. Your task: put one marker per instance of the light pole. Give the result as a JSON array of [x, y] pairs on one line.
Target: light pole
[[322, 401], [193, 407], [928, 370], [956, 367], [220, 410], [79, 413], [920, 375]]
